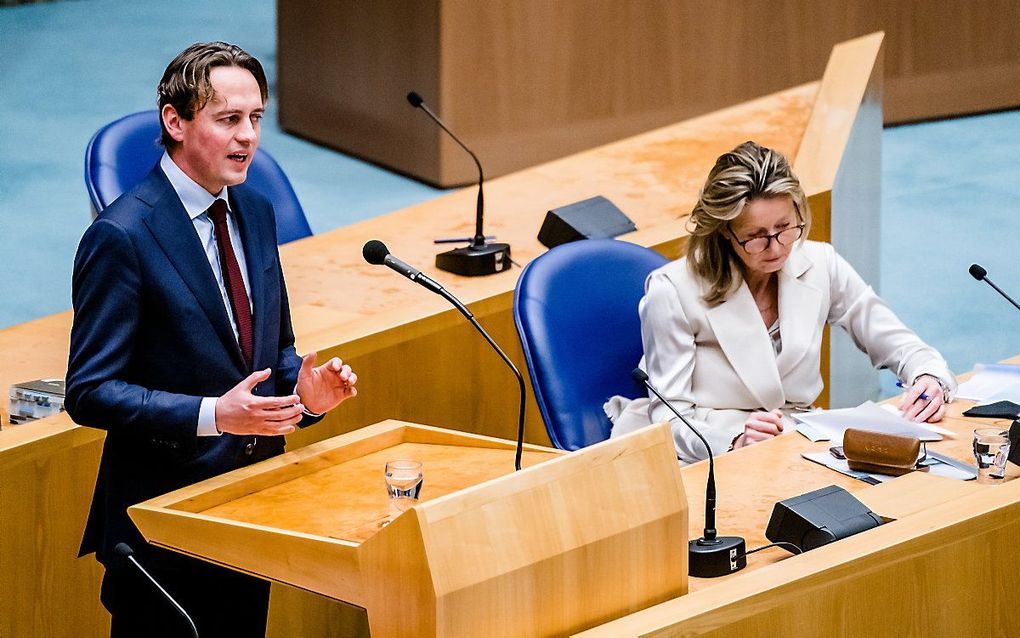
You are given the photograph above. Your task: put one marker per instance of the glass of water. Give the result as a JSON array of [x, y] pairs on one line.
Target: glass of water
[[404, 479], [991, 448]]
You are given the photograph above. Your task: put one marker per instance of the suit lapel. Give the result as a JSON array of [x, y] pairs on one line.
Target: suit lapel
[[799, 306], [745, 342], [174, 232]]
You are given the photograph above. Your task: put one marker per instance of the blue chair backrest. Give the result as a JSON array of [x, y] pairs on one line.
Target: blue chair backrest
[[123, 152], [576, 310]]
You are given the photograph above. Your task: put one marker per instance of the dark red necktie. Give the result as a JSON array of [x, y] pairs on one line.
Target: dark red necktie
[[232, 278]]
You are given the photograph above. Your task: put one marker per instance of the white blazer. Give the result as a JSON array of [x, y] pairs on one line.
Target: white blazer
[[717, 364]]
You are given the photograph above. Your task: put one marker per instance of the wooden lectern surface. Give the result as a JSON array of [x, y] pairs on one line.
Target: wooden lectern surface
[[536, 551], [358, 484]]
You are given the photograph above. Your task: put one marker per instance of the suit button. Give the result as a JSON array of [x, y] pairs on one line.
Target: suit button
[[248, 449]]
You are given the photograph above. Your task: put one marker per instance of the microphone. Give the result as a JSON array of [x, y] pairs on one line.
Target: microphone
[[711, 555], [376, 253], [979, 273], [125, 553], [478, 258]]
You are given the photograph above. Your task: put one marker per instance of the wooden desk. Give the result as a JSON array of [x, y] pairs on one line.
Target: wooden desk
[[939, 569], [416, 358]]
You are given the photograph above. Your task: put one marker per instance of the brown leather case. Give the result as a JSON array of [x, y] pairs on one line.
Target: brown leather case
[[880, 453]]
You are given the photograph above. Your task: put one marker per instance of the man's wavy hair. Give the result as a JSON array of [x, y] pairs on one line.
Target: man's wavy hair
[[185, 84], [748, 172]]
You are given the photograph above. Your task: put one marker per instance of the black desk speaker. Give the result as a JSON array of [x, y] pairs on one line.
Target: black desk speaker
[[595, 218], [819, 517]]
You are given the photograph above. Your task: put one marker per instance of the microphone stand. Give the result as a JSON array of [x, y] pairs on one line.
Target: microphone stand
[[376, 253], [979, 273], [479, 257], [445, 294], [711, 555], [124, 552]]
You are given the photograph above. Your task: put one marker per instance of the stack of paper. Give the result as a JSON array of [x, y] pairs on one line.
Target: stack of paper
[[992, 382], [829, 425]]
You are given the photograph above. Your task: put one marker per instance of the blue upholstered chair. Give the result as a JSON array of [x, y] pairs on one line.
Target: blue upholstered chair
[[576, 310], [123, 152]]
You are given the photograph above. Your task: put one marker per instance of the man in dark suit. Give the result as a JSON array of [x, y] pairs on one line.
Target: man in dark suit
[[182, 347]]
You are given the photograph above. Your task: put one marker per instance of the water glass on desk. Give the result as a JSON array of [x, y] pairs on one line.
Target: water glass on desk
[[404, 479], [991, 448]]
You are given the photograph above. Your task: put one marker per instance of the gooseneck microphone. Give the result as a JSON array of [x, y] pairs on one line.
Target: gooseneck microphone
[[376, 253], [979, 273], [711, 555], [479, 257], [125, 553]]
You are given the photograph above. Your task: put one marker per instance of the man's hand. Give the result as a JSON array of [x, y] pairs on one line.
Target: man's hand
[[760, 426], [323, 388], [241, 412]]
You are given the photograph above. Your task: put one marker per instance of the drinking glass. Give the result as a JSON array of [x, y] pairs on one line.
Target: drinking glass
[[991, 448], [404, 479]]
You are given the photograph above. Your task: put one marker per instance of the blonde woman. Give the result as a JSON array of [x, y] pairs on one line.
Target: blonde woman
[[732, 332]]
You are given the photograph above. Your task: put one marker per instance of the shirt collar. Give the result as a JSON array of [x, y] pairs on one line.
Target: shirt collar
[[196, 200]]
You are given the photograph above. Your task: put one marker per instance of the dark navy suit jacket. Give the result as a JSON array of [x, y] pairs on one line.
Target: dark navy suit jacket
[[151, 337]]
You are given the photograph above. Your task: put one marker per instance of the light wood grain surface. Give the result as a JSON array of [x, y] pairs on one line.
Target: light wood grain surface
[[46, 479]]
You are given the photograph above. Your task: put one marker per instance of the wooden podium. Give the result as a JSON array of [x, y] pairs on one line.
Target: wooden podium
[[571, 541]]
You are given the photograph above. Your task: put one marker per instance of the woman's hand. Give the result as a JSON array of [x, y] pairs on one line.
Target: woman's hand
[[917, 409], [760, 426]]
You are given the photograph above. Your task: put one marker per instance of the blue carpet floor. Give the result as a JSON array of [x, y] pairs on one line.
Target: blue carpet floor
[[950, 189]]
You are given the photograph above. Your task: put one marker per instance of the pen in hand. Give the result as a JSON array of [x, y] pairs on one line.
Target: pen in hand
[[923, 397]]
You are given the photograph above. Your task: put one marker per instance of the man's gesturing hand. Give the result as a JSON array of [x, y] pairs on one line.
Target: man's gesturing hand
[[241, 412], [324, 387]]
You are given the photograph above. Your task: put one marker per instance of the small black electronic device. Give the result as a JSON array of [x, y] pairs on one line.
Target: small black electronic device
[[593, 218], [819, 517]]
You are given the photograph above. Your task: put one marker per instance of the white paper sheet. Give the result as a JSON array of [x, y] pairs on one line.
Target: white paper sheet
[[829, 425], [992, 382]]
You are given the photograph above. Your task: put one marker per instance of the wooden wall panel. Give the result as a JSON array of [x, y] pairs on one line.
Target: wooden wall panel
[[344, 69], [526, 81]]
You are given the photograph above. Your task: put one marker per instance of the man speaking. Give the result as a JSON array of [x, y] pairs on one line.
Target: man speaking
[[182, 347]]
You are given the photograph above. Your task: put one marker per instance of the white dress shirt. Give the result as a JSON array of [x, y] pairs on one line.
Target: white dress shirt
[[196, 201]]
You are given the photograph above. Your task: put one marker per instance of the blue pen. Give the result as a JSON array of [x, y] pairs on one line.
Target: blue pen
[[923, 397]]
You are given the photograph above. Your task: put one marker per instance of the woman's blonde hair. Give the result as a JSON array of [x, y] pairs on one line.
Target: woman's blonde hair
[[748, 172]]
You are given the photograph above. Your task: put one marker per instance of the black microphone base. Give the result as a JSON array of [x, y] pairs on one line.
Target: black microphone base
[[709, 559], [473, 261]]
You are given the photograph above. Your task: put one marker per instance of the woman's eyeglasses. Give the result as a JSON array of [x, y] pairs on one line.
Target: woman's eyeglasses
[[758, 245]]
